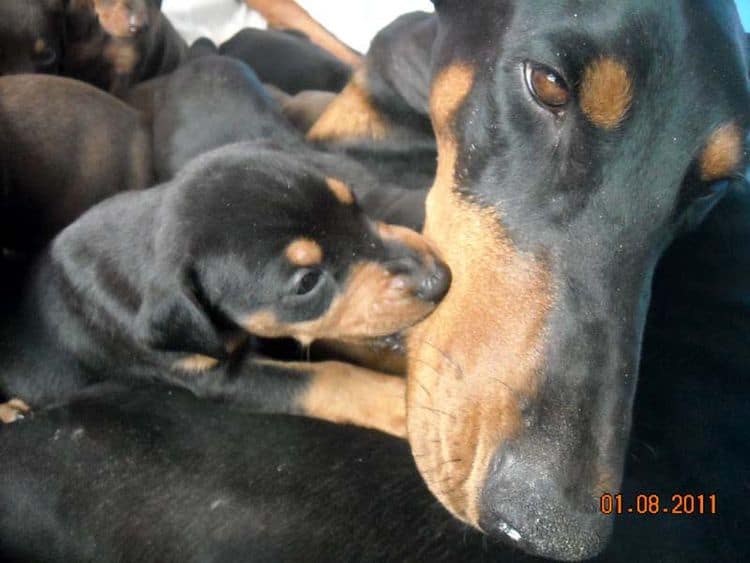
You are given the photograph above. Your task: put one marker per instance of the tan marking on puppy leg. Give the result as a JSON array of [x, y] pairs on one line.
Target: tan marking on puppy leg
[[606, 92], [348, 394], [196, 364], [351, 116], [475, 359], [304, 253], [304, 109], [13, 410], [342, 192], [722, 155]]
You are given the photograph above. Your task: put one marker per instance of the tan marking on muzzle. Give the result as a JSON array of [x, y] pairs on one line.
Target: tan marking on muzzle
[[347, 394], [116, 18], [722, 154], [351, 115], [342, 192], [304, 253], [606, 92], [374, 302], [476, 358]]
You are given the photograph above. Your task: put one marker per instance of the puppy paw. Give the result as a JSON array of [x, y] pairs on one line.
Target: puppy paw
[[13, 410]]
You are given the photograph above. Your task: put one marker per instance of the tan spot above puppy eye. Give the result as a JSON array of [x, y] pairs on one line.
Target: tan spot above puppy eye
[[342, 192], [304, 253], [606, 92], [722, 154], [39, 46]]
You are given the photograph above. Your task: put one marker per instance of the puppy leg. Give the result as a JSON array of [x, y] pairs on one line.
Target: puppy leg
[[333, 391], [13, 410], [349, 394]]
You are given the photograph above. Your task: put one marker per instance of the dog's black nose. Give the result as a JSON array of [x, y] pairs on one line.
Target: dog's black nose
[[435, 283]]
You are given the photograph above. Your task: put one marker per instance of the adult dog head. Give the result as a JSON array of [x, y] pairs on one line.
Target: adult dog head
[[576, 140]]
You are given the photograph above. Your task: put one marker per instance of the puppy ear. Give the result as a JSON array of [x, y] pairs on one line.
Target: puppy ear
[[172, 319]]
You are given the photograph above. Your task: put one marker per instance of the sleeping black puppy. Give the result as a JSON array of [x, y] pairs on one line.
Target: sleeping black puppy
[[175, 284], [288, 60], [208, 102], [212, 101]]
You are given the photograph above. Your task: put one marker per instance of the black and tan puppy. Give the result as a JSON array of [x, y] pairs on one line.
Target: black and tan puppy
[[31, 36], [115, 44], [167, 284], [209, 102], [64, 146], [288, 60]]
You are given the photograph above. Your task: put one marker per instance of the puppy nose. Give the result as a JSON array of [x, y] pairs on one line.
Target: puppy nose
[[136, 23], [434, 284], [427, 279]]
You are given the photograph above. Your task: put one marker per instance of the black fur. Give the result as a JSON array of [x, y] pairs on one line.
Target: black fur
[[305, 66]]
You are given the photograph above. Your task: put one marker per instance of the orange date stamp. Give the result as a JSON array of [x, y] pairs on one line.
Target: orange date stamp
[[679, 504]]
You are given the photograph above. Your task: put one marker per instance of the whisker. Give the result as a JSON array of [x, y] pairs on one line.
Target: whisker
[[438, 411]]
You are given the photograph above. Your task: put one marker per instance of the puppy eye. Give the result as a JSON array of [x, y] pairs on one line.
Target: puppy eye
[[45, 56], [546, 87], [306, 281]]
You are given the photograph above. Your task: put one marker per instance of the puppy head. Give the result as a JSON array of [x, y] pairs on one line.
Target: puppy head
[[126, 18], [254, 240], [31, 34]]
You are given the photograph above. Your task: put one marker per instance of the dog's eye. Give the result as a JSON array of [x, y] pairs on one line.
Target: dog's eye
[[306, 280], [547, 87]]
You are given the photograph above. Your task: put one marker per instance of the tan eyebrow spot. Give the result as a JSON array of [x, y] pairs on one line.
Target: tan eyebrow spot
[[342, 192], [606, 92], [722, 154], [304, 252], [450, 90], [39, 46]]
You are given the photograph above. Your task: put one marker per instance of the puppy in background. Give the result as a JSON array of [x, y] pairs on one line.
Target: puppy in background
[[115, 44]]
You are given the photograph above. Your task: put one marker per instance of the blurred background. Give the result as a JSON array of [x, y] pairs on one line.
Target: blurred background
[[353, 21]]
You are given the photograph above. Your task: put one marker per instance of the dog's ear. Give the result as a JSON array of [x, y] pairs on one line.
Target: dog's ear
[[172, 319]]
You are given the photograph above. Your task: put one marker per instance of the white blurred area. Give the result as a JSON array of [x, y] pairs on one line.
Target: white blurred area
[[353, 21]]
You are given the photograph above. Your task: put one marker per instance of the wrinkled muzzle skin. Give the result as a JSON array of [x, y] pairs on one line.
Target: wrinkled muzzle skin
[[521, 383]]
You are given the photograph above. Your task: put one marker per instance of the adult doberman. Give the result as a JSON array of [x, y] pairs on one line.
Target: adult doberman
[[575, 141]]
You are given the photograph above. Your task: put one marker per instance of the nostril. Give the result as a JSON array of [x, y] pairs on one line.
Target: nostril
[[435, 285]]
